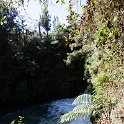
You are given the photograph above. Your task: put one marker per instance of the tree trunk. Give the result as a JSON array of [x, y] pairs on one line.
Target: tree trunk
[[47, 34]]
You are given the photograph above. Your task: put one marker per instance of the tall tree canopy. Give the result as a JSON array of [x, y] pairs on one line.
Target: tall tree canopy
[[45, 20]]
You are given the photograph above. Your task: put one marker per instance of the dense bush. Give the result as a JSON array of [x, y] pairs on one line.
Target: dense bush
[[101, 37]]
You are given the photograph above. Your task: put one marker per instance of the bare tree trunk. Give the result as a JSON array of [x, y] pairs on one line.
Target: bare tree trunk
[[40, 31], [47, 34]]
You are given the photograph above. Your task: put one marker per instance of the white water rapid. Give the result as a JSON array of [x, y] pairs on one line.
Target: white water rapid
[[48, 113]]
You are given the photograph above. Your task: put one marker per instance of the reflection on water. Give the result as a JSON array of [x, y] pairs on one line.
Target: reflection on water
[[43, 114]]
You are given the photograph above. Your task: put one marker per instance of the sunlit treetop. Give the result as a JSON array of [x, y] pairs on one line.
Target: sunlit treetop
[[22, 2]]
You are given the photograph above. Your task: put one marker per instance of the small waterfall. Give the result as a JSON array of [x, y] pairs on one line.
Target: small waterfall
[[48, 113]]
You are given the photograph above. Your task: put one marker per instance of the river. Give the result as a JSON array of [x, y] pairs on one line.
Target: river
[[48, 113]]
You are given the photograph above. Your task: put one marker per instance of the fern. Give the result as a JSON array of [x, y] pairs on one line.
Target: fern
[[85, 98], [84, 108]]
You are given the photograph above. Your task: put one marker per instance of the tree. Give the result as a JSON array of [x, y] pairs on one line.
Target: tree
[[45, 20]]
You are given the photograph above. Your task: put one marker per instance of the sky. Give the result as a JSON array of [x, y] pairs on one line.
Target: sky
[[33, 9]]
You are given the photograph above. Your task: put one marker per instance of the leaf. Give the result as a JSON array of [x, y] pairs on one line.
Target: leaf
[[85, 98], [69, 8], [45, 8], [21, 117], [96, 3], [70, 116], [1, 23], [84, 109], [101, 33], [3, 18], [77, 112], [62, 1], [3, 1], [63, 25], [13, 122], [109, 25], [115, 18], [85, 8], [75, 18], [57, 1]]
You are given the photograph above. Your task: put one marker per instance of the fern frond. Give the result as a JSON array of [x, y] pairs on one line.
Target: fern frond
[[85, 109], [85, 98], [72, 115], [77, 112]]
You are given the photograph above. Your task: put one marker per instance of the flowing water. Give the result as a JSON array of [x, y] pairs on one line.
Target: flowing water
[[48, 113]]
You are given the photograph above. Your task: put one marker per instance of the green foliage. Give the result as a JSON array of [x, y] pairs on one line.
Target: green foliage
[[85, 98], [84, 108], [19, 121], [62, 1], [45, 21], [59, 33], [101, 37], [31, 60], [96, 36]]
